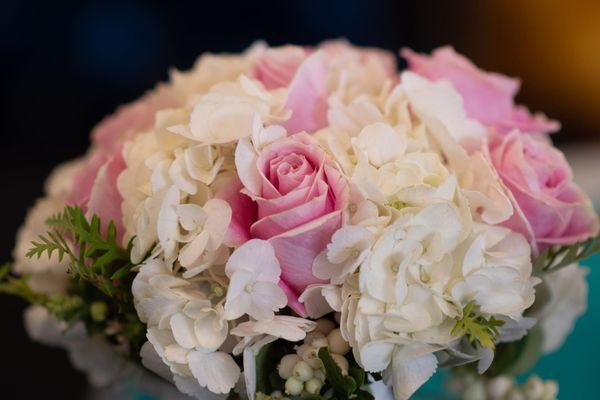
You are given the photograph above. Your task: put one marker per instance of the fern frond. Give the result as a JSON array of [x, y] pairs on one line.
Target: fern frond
[[476, 327], [47, 244], [94, 255]]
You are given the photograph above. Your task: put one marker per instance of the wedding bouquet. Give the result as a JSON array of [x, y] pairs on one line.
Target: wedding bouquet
[[310, 223]]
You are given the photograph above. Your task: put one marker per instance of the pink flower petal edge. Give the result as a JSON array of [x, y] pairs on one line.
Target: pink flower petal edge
[[488, 97], [307, 98]]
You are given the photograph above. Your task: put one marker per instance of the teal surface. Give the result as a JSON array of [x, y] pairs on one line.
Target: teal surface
[[575, 365]]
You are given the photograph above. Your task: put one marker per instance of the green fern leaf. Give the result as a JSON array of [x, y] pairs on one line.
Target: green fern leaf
[[476, 327]]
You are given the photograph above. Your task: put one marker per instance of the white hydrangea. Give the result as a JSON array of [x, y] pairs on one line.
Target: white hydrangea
[[212, 69], [167, 188], [349, 247], [568, 297], [386, 164], [177, 224], [497, 272], [253, 289], [227, 112], [190, 233], [186, 324], [402, 304], [419, 243]]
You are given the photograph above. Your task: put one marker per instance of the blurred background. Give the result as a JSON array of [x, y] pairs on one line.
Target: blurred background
[[65, 65]]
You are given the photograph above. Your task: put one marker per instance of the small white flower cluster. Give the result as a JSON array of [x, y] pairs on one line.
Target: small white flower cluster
[[505, 388], [303, 372]]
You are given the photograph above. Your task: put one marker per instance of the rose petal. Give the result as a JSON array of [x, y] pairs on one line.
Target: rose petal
[[297, 249], [105, 199], [243, 212], [307, 96], [292, 299]]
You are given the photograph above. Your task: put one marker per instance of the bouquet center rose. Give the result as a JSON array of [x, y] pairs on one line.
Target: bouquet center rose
[[292, 194]]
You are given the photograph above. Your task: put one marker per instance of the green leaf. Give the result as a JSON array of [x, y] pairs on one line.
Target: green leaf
[[530, 352], [276, 382], [517, 357], [264, 366], [358, 374], [4, 271], [558, 257], [342, 385], [64, 307], [477, 328], [121, 272]]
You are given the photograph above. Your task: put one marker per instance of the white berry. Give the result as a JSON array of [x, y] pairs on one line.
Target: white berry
[[498, 387], [515, 394], [534, 388], [324, 326], [312, 336], [311, 356], [293, 386], [320, 374], [313, 386], [277, 395], [320, 342], [302, 349], [302, 371], [286, 365], [337, 344], [550, 390]]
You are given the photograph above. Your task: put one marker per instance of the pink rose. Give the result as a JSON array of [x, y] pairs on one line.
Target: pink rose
[[95, 188], [549, 208], [487, 97], [307, 96], [291, 194], [276, 67]]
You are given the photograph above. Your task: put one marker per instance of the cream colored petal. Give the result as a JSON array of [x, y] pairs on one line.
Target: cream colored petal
[[216, 371], [183, 331], [245, 163]]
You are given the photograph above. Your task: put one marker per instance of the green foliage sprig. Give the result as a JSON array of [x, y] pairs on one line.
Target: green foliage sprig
[[65, 307], [94, 256], [476, 327], [344, 386], [557, 257], [99, 291]]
